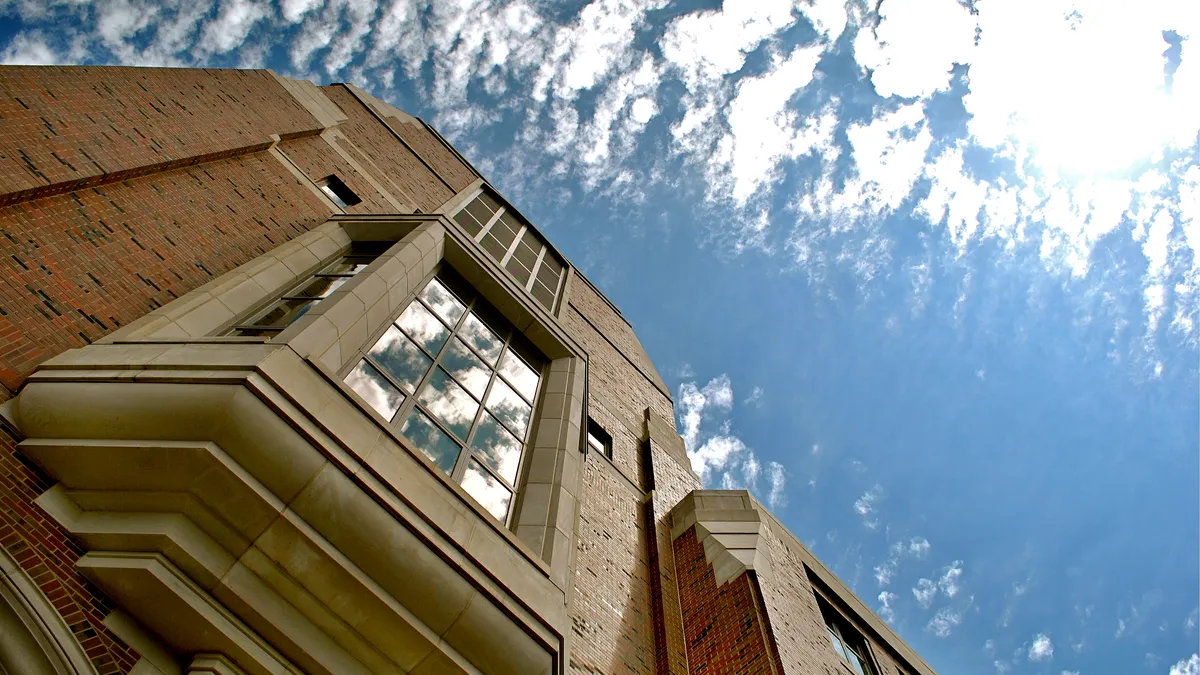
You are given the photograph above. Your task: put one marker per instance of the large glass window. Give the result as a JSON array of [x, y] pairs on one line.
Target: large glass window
[[515, 245], [847, 642], [458, 381], [297, 300]]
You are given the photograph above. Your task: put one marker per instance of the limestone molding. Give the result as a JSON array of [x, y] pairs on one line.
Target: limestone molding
[[731, 528]]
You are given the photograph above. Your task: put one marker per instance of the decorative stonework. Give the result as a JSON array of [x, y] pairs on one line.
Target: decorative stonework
[[730, 527]]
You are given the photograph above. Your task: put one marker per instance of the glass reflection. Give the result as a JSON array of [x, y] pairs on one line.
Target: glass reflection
[[519, 375], [489, 492], [437, 446], [476, 333], [320, 287], [443, 302], [449, 402], [423, 327], [508, 407], [375, 389], [397, 355], [466, 368], [284, 313], [498, 448]]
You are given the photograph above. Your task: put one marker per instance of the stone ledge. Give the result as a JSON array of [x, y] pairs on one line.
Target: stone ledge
[[730, 527]]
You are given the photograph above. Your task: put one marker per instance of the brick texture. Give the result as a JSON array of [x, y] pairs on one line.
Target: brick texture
[[381, 147], [314, 156], [611, 621], [48, 556], [69, 128], [76, 266], [725, 626]]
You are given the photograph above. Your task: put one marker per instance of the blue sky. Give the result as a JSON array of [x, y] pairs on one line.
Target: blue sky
[[922, 274]]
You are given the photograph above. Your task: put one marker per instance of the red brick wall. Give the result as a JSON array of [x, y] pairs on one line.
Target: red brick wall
[[725, 626], [431, 149], [48, 556], [63, 125], [386, 152], [74, 267], [313, 156]]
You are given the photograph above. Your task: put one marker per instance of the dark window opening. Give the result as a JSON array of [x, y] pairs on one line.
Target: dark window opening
[[598, 439], [847, 642], [335, 189]]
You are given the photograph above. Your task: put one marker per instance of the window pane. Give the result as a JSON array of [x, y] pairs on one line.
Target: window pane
[[493, 246], [498, 448], [449, 402], [375, 389], [319, 287], [423, 327], [543, 295], [525, 253], [468, 222], [437, 446], [476, 333], [505, 230], [550, 271], [519, 375], [517, 269], [508, 407], [856, 662], [489, 492], [466, 368], [482, 209], [837, 644], [443, 302], [401, 358], [283, 313]]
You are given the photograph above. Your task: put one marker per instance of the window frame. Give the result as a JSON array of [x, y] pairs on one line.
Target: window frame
[[603, 439], [502, 207], [246, 325], [842, 633], [337, 191], [508, 334]]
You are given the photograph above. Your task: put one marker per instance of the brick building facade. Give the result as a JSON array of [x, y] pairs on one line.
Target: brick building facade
[[289, 387]]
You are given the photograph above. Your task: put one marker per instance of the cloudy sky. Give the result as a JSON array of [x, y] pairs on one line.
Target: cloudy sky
[[924, 274]]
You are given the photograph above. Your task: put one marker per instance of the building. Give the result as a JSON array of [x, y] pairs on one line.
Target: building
[[289, 387]]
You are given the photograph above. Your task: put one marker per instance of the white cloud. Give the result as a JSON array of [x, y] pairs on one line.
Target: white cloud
[[944, 622], [864, 506], [1189, 666], [235, 20], [886, 611], [1042, 648], [925, 591], [30, 49], [949, 582], [912, 49], [762, 130], [721, 458]]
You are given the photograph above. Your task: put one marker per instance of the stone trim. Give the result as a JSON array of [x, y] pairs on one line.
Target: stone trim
[[45, 625], [729, 527], [242, 516], [454, 204]]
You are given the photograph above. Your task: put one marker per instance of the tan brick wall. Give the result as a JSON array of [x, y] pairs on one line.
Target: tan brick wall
[[611, 622], [796, 621]]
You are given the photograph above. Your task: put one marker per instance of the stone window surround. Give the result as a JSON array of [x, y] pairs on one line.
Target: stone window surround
[[330, 335]]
